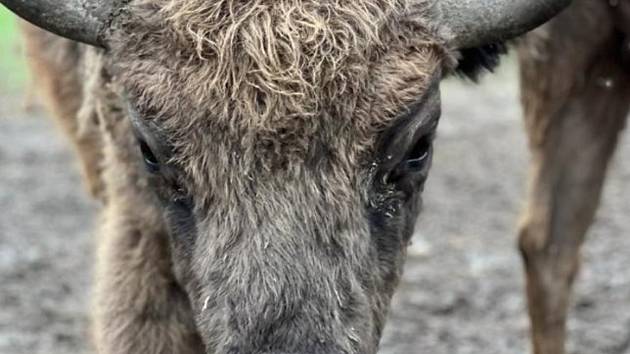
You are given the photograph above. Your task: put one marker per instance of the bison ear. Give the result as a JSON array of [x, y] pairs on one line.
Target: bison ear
[[80, 20], [473, 23]]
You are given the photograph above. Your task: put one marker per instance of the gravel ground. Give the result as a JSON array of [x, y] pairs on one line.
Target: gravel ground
[[463, 288]]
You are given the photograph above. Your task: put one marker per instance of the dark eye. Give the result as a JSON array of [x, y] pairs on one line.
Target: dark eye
[[419, 154], [415, 163], [150, 160]]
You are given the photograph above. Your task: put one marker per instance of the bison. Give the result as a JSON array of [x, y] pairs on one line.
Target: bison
[[575, 81], [260, 162]]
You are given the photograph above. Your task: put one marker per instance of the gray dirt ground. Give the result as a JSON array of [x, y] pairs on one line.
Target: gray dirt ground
[[462, 290]]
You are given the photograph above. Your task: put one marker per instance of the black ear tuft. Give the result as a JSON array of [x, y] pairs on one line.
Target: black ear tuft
[[475, 61]]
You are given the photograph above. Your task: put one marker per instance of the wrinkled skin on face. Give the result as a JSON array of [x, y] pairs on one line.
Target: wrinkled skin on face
[[286, 147]]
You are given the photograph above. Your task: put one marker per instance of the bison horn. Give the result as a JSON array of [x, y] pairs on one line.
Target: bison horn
[[80, 20], [472, 23]]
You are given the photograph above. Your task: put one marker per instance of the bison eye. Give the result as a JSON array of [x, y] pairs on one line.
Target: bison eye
[[419, 154], [414, 166], [151, 162]]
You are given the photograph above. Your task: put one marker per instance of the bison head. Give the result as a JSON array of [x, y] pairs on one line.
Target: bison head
[[285, 144]]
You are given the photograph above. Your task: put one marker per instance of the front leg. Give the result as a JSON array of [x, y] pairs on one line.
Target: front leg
[[576, 95]]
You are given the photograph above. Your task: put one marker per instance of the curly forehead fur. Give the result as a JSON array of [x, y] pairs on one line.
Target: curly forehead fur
[[272, 110], [276, 77]]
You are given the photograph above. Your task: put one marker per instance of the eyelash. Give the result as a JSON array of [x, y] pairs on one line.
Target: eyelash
[[415, 162], [176, 192], [151, 162], [419, 154]]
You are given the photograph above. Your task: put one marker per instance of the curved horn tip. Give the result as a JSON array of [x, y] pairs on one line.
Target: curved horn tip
[[79, 20], [472, 23]]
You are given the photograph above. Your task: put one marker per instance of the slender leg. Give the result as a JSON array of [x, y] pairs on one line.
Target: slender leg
[[576, 95], [56, 65]]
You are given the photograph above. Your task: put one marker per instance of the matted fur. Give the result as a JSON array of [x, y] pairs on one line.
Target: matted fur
[[270, 115], [271, 78], [272, 111]]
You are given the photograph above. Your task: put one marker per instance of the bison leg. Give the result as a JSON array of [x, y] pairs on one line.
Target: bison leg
[[56, 65], [575, 92]]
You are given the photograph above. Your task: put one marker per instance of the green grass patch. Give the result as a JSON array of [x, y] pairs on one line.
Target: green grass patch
[[13, 73]]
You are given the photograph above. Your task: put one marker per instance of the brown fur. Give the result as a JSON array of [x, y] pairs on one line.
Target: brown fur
[[58, 64], [272, 81], [271, 115], [576, 94]]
